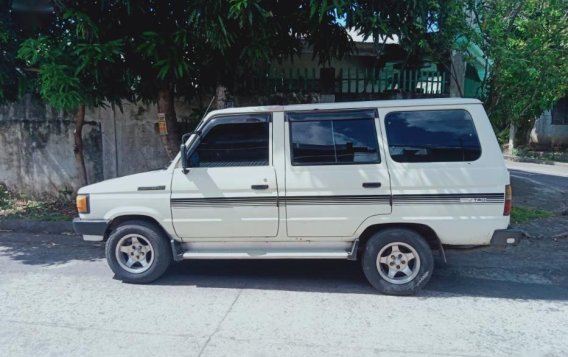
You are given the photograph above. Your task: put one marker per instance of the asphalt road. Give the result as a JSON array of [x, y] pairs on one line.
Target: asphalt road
[[550, 175], [542, 187], [59, 298]]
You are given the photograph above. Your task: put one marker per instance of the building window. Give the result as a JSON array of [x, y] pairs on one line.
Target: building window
[[432, 136], [560, 112], [333, 138]]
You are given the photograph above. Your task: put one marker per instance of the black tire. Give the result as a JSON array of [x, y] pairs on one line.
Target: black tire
[[161, 250], [408, 238]]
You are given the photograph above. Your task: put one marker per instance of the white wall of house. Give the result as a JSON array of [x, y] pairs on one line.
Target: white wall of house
[[545, 134]]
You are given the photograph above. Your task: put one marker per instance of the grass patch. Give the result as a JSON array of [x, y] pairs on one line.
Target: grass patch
[[560, 155], [17, 206], [523, 214]]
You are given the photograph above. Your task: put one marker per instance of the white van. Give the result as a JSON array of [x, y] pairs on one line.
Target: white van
[[383, 182]]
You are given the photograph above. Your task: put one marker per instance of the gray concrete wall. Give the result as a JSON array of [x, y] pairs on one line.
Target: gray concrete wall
[[544, 134], [36, 144], [130, 141], [36, 149]]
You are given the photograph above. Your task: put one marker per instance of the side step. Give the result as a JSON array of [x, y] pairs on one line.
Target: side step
[[265, 250], [265, 255]]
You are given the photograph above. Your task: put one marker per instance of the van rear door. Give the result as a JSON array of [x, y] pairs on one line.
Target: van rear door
[[336, 176]]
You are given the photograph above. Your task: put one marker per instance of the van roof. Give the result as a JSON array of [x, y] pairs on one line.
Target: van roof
[[346, 105]]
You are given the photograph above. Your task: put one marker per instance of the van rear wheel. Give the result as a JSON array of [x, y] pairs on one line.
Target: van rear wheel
[[397, 261], [138, 252]]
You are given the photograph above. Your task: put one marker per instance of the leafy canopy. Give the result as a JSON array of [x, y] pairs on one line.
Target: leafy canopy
[[72, 62], [527, 41]]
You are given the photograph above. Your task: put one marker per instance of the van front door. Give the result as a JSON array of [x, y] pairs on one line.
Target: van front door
[[230, 189], [336, 176]]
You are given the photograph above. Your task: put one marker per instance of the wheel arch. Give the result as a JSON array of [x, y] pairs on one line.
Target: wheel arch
[[117, 221], [424, 230]]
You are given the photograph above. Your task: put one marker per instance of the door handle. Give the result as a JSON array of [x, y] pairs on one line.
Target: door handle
[[259, 187], [371, 184]]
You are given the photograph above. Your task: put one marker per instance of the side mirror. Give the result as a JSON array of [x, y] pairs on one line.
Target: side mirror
[[183, 153]]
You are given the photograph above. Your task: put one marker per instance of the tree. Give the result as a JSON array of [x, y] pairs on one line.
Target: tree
[[527, 43], [429, 29], [179, 48], [75, 69], [13, 81], [175, 48]]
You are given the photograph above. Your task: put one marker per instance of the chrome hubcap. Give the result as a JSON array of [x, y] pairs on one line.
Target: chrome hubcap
[[398, 263], [134, 253]]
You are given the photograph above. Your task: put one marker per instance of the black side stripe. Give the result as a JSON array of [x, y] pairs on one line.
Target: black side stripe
[[424, 199], [224, 201], [336, 200]]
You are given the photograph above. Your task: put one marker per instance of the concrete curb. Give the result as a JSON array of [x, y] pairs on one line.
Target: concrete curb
[[534, 161], [29, 226]]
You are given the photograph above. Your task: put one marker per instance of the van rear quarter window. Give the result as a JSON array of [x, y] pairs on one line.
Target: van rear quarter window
[[432, 136]]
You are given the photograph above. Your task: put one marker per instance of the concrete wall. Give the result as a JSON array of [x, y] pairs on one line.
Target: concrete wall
[[36, 149], [544, 134], [36, 145], [130, 142]]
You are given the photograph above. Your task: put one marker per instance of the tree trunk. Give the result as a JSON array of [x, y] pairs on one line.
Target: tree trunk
[[512, 135], [78, 149], [457, 75], [171, 141], [221, 96]]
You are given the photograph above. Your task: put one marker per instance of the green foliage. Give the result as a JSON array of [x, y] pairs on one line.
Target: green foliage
[[197, 45], [429, 27], [4, 197], [527, 43], [71, 62], [547, 156], [13, 205], [13, 80], [167, 54]]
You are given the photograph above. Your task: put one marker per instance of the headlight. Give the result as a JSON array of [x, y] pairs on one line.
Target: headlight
[[83, 203]]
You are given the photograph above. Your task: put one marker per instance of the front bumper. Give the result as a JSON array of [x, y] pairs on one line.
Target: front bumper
[[505, 237], [90, 227]]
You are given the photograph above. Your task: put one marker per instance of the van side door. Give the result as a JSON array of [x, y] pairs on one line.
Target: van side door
[[230, 188], [335, 173]]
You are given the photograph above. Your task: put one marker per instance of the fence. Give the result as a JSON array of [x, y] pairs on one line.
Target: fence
[[348, 81]]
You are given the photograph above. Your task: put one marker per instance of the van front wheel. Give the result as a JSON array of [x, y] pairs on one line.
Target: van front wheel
[[137, 252], [397, 261]]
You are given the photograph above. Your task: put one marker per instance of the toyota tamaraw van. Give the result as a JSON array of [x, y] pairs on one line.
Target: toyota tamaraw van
[[382, 182]]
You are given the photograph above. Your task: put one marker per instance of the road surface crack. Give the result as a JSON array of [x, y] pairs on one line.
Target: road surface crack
[[218, 328]]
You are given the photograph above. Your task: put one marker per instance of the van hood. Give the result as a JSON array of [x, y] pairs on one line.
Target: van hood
[[159, 180]]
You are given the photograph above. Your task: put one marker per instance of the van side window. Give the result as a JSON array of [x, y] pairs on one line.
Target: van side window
[[432, 136], [233, 144], [333, 138]]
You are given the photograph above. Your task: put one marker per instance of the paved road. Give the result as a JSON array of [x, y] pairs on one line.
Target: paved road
[[543, 187], [58, 297], [549, 175]]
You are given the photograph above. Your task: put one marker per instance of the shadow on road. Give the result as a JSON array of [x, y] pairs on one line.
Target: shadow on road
[[523, 272], [342, 277], [48, 249]]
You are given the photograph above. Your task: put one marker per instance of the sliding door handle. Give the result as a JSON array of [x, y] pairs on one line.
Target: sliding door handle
[[371, 184], [259, 187]]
